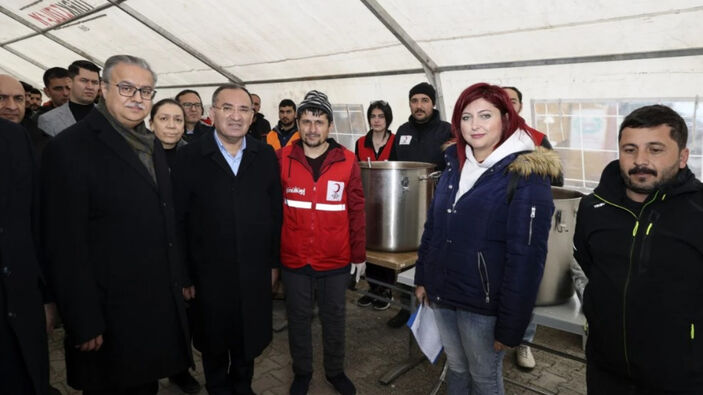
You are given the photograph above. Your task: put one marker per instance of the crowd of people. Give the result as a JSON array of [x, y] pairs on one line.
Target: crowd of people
[[145, 240]]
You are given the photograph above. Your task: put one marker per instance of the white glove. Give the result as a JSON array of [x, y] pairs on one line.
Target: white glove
[[358, 270]]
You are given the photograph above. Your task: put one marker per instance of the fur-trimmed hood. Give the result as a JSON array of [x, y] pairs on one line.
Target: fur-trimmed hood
[[541, 161]]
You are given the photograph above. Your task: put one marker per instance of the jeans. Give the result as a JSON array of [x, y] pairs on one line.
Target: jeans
[[530, 332], [474, 366]]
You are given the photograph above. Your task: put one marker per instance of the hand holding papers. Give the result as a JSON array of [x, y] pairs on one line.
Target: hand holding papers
[[424, 328]]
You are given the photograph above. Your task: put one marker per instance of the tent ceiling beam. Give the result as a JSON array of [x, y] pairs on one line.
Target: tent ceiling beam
[[669, 53], [46, 32], [175, 40], [24, 57], [483, 66], [307, 78], [431, 69]]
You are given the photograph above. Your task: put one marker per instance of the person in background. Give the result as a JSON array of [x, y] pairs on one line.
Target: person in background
[[193, 107], [322, 240], [376, 146], [85, 84], [484, 245], [286, 131], [12, 99], [34, 99], [638, 239], [57, 86], [421, 139], [260, 126], [167, 121], [523, 352]]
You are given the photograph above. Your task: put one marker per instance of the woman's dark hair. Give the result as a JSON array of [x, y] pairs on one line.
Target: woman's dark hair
[[160, 103], [383, 106]]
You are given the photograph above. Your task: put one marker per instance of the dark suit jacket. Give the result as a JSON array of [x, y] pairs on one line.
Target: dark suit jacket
[[111, 248], [232, 227], [21, 282]]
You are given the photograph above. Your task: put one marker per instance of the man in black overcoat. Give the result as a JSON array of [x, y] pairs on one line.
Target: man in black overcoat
[[110, 242], [24, 363], [229, 207]]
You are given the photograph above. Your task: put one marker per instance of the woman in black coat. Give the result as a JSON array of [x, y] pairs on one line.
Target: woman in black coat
[[111, 248]]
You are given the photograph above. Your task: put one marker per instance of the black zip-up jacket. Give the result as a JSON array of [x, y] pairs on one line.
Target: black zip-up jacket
[[422, 142], [644, 299]]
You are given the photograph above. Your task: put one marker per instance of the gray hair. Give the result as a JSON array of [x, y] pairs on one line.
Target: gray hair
[[114, 60]]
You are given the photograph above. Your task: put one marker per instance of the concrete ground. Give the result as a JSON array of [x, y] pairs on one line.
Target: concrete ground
[[372, 349]]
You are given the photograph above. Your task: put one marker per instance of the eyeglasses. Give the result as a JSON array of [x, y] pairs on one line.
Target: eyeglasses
[[229, 110], [146, 92], [381, 102], [19, 99], [188, 106]]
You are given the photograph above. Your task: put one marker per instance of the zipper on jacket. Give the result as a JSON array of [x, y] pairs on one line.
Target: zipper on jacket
[[533, 211], [483, 272], [629, 272]]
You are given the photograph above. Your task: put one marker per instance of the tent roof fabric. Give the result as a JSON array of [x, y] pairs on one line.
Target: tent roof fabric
[[207, 42]]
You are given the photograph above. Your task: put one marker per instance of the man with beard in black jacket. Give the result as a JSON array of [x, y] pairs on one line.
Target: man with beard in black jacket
[[638, 239], [422, 137]]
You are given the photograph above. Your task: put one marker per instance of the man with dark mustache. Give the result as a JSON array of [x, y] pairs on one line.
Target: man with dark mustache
[[638, 239], [421, 138]]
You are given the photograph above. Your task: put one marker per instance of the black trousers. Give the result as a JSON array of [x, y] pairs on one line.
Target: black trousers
[[379, 273], [300, 291], [150, 388], [14, 378], [602, 382], [227, 373]]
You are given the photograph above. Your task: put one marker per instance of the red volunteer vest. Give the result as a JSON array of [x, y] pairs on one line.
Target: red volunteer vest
[[315, 220]]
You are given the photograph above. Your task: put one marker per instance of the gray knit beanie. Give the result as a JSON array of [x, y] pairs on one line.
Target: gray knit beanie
[[315, 100]]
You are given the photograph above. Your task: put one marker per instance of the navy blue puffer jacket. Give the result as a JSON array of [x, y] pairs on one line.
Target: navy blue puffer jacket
[[486, 253]]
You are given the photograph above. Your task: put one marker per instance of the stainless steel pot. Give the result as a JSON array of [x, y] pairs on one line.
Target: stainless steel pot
[[397, 196], [556, 286]]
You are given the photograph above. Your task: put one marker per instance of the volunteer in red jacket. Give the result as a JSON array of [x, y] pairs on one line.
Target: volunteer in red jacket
[[377, 143], [322, 240], [376, 146]]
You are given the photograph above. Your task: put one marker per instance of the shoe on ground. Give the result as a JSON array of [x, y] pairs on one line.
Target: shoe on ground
[[365, 301], [523, 357], [381, 305], [301, 384], [185, 382], [399, 319], [342, 384]]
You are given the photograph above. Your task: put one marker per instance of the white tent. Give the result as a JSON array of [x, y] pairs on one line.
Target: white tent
[[582, 65]]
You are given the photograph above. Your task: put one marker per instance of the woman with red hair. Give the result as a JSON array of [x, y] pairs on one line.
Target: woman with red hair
[[485, 240]]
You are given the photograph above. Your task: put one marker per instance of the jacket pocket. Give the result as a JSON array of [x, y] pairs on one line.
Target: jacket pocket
[[483, 273]]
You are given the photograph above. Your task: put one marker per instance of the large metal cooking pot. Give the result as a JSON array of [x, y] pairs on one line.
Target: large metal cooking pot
[[557, 286], [397, 196]]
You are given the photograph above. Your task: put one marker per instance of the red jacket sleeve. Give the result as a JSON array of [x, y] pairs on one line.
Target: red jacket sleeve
[[357, 216]]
